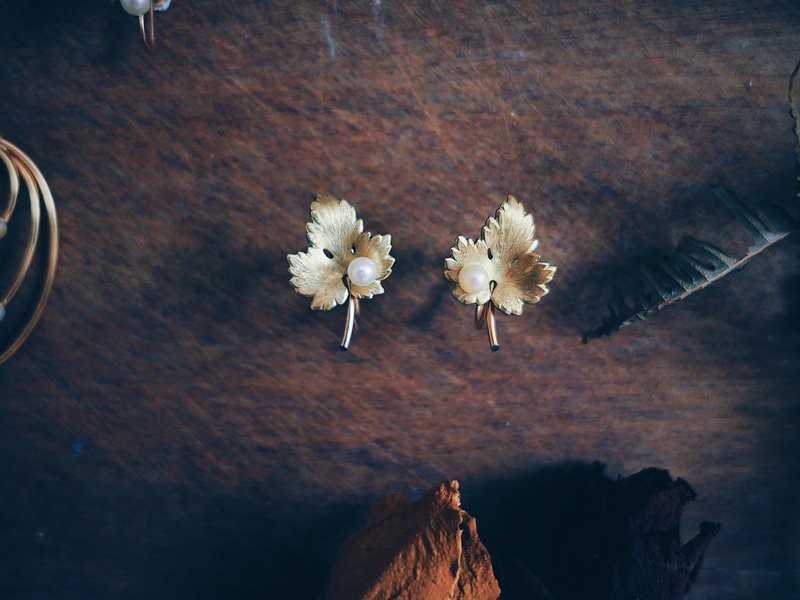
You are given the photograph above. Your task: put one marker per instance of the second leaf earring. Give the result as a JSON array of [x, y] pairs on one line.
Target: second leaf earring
[[500, 269], [342, 264]]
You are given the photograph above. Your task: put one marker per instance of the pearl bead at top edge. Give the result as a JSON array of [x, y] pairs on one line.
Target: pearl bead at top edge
[[136, 8]]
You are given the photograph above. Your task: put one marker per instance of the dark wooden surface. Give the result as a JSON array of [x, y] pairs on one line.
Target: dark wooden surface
[[181, 424]]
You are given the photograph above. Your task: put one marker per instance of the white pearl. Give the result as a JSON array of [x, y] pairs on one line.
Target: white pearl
[[473, 278], [362, 271], [3, 229], [2, 312], [136, 7]]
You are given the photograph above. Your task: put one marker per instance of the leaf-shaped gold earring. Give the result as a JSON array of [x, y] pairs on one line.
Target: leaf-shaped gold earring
[[342, 264], [500, 269]]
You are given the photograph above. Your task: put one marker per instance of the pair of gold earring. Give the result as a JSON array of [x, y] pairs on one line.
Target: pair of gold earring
[[345, 264]]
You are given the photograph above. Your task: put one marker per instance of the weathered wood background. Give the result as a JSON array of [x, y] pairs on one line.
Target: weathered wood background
[[181, 424]]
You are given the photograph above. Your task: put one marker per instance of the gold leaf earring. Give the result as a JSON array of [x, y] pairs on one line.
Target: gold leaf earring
[[500, 269], [342, 263]]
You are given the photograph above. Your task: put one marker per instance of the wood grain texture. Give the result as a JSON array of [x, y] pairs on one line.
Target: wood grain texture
[[181, 424]]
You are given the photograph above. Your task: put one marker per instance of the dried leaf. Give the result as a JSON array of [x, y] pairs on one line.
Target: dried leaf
[[794, 108], [694, 265], [654, 565], [572, 532]]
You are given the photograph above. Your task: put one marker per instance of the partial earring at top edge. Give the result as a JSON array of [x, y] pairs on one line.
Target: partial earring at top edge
[[140, 8]]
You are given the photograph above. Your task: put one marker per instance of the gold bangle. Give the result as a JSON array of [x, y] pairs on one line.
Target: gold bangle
[[21, 168]]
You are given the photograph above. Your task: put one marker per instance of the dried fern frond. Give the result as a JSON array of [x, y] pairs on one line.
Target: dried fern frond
[[694, 265], [794, 108]]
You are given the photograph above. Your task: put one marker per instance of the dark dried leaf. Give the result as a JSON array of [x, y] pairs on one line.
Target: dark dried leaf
[[694, 265], [794, 108]]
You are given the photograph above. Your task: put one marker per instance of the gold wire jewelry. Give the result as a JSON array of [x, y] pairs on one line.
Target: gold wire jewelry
[[140, 8], [20, 167], [500, 269], [342, 264]]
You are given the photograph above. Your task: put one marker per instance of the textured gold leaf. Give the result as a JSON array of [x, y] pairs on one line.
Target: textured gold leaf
[[506, 251], [510, 233], [334, 225], [336, 237], [318, 276], [523, 282]]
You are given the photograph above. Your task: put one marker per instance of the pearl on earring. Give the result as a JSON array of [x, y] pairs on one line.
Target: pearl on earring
[[362, 271], [136, 8], [473, 278], [3, 229]]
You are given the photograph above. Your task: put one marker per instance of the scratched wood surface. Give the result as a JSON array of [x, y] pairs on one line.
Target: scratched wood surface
[[181, 424]]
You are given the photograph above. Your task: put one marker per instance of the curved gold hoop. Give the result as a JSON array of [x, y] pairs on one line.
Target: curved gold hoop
[[21, 167]]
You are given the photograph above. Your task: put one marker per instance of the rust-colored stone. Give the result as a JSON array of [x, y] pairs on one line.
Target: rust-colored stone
[[410, 550]]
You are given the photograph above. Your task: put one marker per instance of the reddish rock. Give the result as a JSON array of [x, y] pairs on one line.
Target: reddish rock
[[410, 550]]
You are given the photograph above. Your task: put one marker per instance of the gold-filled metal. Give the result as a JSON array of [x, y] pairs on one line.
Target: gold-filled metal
[[148, 30], [336, 238], [484, 316], [149, 36], [22, 169], [514, 274]]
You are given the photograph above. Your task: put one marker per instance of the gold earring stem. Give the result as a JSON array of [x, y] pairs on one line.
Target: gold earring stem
[[491, 328], [485, 313], [149, 36], [353, 310]]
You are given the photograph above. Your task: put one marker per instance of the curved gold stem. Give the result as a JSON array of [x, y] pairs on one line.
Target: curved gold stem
[[350, 322], [149, 33], [480, 315], [34, 180], [491, 328], [484, 315]]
